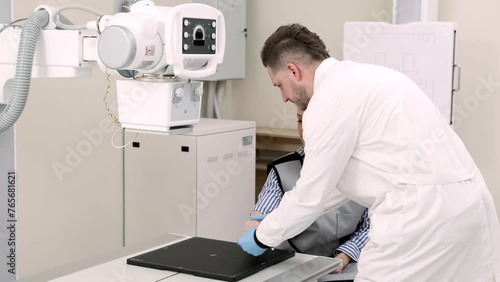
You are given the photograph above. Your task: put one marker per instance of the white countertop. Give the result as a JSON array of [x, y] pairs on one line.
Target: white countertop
[[113, 267]]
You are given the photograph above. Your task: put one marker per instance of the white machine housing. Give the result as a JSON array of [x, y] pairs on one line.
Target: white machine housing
[[189, 37], [184, 184], [161, 48], [155, 106]]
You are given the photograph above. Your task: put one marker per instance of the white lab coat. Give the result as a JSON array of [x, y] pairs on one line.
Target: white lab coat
[[374, 137]]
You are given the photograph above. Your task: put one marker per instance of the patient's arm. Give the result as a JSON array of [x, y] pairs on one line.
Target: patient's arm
[[268, 200], [254, 212], [352, 248], [270, 196], [345, 261]]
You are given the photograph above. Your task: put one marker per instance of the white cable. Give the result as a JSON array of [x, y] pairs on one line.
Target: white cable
[[58, 10], [211, 98], [121, 147], [219, 98], [12, 24], [217, 112]]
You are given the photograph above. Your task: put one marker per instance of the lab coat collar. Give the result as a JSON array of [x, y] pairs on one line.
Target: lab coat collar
[[322, 69]]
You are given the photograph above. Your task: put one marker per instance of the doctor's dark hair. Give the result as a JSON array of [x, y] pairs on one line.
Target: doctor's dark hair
[[292, 43]]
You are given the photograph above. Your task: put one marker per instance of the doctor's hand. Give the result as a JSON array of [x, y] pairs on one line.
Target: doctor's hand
[[248, 244], [253, 222]]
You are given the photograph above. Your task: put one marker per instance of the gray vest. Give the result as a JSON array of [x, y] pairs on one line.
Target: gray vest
[[331, 229]]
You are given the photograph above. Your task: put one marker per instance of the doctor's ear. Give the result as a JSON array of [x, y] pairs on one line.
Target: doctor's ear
[[293, 72]]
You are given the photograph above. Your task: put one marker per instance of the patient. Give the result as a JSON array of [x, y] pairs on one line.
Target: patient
[[339, 233]]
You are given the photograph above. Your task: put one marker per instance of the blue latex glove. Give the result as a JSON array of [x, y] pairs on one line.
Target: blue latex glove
[[248, 244], [259, 217]]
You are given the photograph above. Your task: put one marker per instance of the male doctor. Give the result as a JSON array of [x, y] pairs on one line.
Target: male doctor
[[374, 137]]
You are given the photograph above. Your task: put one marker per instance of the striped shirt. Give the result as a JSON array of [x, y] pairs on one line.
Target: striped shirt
[[270, 197]]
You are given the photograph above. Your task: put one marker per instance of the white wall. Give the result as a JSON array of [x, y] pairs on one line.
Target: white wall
[[79, 214], [5, 12], [478, 124], [254, 98], [477, 103]]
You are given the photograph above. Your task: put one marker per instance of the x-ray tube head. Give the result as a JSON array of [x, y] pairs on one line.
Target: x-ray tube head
[[166, 48], [186, 40]]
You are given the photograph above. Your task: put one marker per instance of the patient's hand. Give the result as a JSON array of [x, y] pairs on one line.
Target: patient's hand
[[254, 221], [249, 224], [345, 261]]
